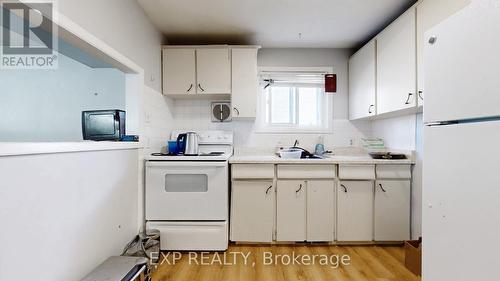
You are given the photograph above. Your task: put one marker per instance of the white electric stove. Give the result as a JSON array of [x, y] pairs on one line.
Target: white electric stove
[[187, 197]]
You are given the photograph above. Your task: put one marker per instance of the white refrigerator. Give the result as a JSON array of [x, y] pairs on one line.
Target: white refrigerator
[[461, 173]]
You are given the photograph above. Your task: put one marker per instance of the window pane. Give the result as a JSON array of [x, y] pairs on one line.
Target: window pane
[[280, 105], [309, 108]]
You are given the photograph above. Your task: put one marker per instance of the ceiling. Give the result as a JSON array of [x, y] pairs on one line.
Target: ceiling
[[273, 23]]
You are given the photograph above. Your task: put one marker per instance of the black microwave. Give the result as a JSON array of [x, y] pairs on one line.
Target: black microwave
[[100, 125]]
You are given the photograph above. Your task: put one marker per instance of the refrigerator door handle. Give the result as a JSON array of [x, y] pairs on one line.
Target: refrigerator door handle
[[440, 123]]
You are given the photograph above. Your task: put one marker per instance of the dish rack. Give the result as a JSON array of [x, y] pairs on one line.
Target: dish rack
[[373, 145]]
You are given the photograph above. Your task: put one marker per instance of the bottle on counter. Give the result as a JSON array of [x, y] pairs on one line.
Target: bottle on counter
[[320, 147]]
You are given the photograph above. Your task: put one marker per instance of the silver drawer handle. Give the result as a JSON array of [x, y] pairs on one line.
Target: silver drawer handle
[[408, 98], [420, 95], [199, 86], [236, 110]]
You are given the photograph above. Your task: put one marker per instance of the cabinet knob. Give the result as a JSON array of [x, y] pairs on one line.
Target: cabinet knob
[[268, 189], [345, 188], [381, 187], [432, 39]]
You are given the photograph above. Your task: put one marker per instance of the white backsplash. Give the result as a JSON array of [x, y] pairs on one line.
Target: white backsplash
[[158, 120], [196, 115]]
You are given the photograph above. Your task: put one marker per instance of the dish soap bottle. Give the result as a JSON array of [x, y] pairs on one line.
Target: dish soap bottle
[[320, 148]]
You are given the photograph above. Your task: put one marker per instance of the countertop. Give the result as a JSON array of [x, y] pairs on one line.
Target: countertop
[[329, 159], [31, 148]]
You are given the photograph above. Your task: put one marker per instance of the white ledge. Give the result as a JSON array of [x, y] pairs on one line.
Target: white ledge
[[30, 148]]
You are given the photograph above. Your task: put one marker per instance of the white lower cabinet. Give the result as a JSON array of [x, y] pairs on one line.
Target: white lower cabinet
[[293, 203], [392, 210], [355, 211], [252, 211], [291, 210], [320, 213]]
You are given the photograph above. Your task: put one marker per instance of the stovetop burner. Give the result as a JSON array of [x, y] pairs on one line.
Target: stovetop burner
[[214, 153]]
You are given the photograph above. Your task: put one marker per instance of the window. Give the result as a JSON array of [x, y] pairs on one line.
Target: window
[[292, 106], [293, 101]]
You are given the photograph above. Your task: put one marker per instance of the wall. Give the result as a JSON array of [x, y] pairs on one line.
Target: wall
[[158, 123], [195, 114], [406, 133], [72, 212], [123, 25], [46, 105], [158, 120]]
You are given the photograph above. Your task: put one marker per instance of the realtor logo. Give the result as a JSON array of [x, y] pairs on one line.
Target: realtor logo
[[28, 35]]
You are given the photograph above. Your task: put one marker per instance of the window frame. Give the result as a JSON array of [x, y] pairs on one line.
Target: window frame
[[261, 124]]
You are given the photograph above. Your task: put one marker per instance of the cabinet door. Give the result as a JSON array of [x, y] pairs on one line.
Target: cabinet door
[[429, 14], [213, 71], [291, 211], [244, 79], [320, 210], [355, 211], [362, 84], [179, 70], [252, 211], [396, 65], [392, 210]]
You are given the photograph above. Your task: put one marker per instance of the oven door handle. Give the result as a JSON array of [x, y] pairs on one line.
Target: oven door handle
[[186, 164]]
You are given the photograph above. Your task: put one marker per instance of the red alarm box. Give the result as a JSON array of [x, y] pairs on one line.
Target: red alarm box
[[330, 83]]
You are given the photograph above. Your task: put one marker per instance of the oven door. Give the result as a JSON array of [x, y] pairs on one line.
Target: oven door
[[188, 191]]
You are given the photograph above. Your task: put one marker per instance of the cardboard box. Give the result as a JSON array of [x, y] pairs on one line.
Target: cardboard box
[[413, 256]]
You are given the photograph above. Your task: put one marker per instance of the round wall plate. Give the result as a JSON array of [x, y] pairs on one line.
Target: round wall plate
[[221, 111]]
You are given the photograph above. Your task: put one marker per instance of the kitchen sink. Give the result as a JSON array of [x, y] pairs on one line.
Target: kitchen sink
[[311, 157], [387, 156]]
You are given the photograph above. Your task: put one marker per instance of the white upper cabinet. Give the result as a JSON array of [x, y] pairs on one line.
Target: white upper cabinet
[[179, 71], [396, 65], [362, 82], [429, 14], [245, 83], [213, 71]]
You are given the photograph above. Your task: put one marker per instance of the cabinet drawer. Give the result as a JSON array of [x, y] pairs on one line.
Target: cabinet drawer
[[252, 171], [306, 171], [357, 172], [393, 171]]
